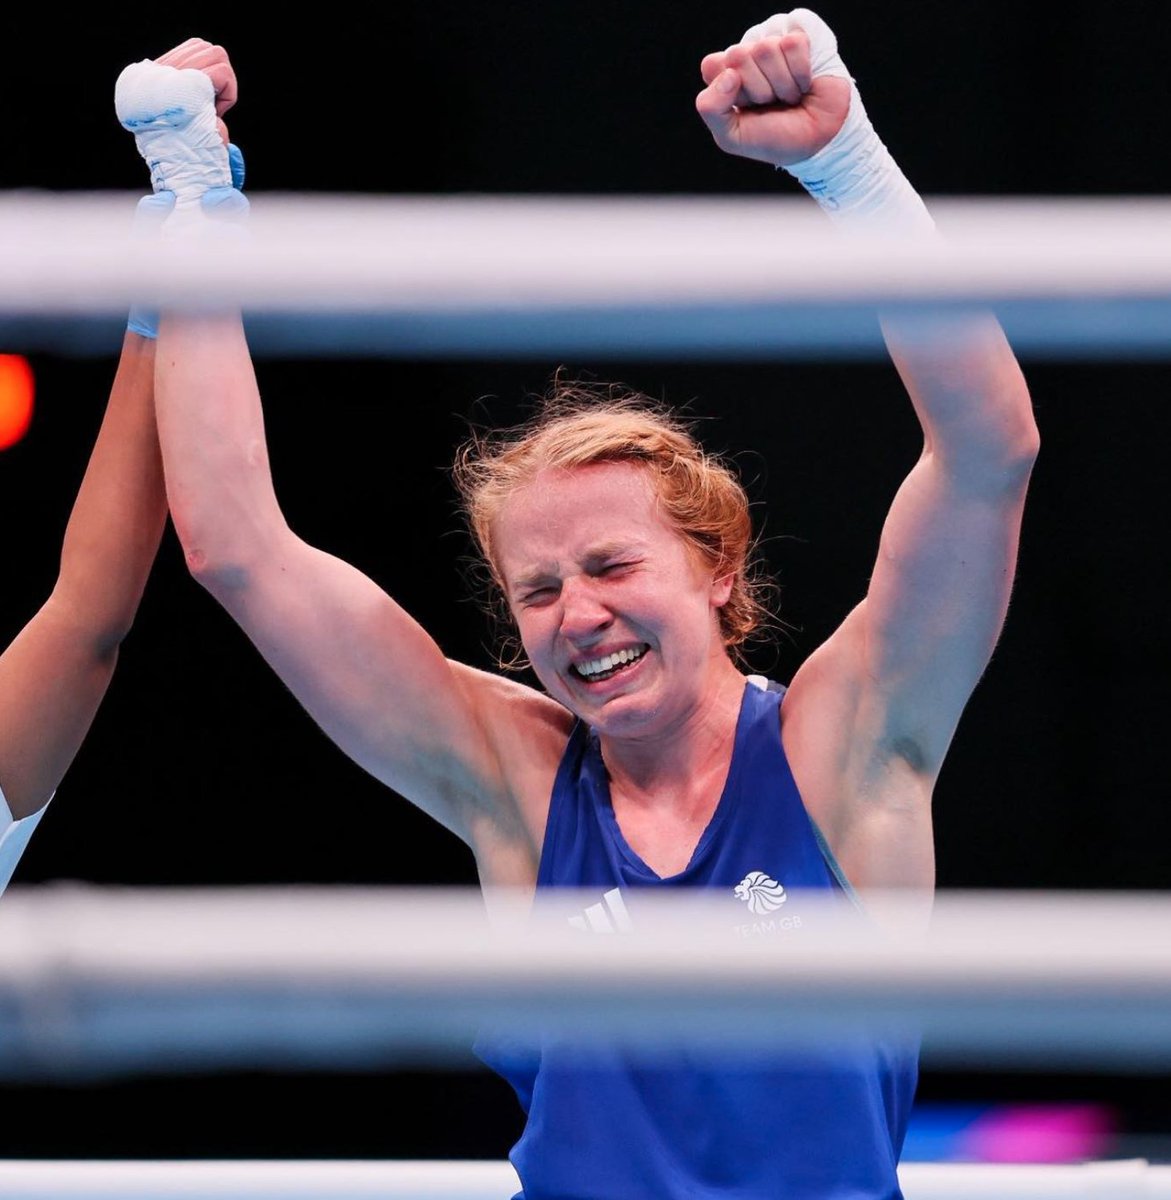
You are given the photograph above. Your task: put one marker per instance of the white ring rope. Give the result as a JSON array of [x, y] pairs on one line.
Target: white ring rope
[[120, 980], [365, 1180], [104, 981], [695, 277]]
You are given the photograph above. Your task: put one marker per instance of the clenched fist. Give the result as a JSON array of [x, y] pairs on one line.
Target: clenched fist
[[781, 94], [198, 55]]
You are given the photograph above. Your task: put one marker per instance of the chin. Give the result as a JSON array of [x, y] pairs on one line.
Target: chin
[[624, 716]]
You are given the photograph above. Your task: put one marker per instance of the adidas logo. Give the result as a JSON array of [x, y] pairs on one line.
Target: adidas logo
[[760, 893], [610, 916]]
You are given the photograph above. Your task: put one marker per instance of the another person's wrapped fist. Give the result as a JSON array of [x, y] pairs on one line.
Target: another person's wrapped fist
[[174, 106]]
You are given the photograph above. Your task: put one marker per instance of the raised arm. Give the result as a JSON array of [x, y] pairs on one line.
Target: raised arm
[[368, 674], [870, 716], [53, 676], [455, 741]]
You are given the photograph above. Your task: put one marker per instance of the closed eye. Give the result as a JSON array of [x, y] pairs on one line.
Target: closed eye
[[536, 596]]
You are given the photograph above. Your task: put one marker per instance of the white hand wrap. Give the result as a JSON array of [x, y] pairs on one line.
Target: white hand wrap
[[172, 116], [854, 179]]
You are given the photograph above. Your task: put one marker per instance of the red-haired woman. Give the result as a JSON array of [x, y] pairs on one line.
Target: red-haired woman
[[649, 760]]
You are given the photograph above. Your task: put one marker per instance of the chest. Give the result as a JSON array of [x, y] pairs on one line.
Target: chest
[[755, 850], [664, 836], [746, 819]]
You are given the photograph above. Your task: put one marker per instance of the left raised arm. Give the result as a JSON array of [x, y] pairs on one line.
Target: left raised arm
[[940, 588], [869, 717]]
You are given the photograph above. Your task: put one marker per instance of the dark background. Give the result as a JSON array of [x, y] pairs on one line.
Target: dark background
[[200, 768]]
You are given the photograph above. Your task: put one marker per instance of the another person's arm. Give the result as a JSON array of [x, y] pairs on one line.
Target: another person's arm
[[870, 716], [55, 673]]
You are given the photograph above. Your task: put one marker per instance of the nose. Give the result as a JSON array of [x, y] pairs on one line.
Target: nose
[[583, 614]]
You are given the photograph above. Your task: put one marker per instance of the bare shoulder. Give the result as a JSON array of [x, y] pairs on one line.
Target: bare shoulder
[[528, 733]]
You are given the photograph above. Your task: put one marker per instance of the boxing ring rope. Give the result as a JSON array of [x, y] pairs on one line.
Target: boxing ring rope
[[98, 981], [106, 982], [506, 276], [311, 1180]]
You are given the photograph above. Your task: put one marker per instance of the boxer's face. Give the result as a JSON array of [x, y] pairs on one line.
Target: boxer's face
[[616, 613]]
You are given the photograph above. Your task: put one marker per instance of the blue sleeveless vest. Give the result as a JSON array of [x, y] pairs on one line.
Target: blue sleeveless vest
[[824, 1125]]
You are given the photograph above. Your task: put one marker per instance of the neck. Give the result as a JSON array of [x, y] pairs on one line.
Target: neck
[[678, 764]]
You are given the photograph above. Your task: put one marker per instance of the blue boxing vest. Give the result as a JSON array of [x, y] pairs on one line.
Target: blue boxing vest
[[820, 1125]]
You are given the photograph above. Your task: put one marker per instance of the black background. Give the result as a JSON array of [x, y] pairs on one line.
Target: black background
[[202, 770]]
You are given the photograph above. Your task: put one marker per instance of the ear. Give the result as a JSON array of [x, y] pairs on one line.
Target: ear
[[722, 589]]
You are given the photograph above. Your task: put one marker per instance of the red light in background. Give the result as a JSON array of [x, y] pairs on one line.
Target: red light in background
[[16, 398]]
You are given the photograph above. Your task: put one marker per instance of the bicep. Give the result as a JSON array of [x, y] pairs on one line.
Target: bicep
[[874, 710], [372, 678], [937, 600]]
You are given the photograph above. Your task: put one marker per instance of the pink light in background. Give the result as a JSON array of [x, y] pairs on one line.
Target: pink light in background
[[1038, 1133]]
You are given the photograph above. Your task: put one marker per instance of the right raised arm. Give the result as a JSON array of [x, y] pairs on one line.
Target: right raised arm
[[459, 743], [451, 739], [54, 674]]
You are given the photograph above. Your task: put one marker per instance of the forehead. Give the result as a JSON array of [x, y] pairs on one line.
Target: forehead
[[568, 511]]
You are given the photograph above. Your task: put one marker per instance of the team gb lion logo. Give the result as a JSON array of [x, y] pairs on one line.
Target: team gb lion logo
[[760, 893]]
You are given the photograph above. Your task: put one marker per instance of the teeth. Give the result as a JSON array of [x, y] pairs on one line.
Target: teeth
[[599, 666]]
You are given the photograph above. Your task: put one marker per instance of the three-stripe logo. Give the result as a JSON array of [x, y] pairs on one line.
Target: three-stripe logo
[[610, 916]]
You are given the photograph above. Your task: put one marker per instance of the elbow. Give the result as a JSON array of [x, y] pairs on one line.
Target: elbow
[[224, 550], [1022, 438], [81, 614], [1019, 454], [211, 561], [1011, 440], [218, 575], [1026, 437], [1004, 472], [999, 458], [1026, 448]]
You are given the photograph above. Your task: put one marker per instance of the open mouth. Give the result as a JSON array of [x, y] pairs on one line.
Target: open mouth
[[609, 665]]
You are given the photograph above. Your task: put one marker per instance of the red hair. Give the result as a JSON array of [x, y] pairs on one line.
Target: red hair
[[578, 425]]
